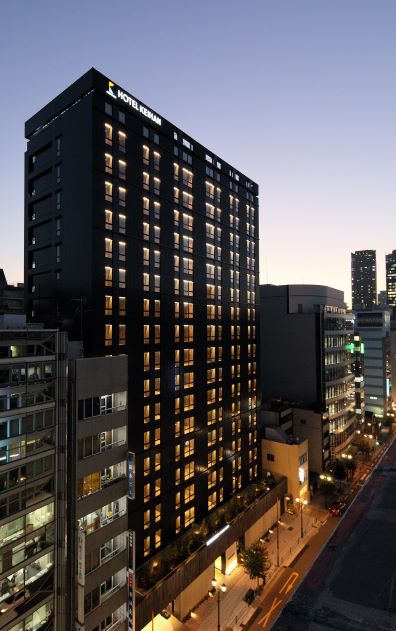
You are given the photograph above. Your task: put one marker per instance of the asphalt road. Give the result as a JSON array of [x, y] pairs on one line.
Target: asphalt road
[[280, 590]]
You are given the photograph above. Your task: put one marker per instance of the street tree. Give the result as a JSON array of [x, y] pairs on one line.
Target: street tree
[[255, 562], [339, 471], [328, 488], [350, 467]]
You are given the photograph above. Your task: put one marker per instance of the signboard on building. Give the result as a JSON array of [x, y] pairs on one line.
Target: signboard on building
[[131, 475], [80, 578], [131, 580]]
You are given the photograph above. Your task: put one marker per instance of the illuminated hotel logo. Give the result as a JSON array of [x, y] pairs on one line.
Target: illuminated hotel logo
[[129, 100], [110, 91]]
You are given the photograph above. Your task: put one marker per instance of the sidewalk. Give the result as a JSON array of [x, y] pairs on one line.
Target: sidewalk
[[234, 610]]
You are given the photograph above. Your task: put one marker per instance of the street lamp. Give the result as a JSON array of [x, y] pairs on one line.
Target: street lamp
[[222, 588], [301, 503]]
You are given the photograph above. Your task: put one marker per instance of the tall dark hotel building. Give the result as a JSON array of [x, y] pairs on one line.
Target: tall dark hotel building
[[141, 241]]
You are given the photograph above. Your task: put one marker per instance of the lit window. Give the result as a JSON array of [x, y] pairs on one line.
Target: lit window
[[189, 516], [109, 191], [121, 141], [108, 248], [122, 250], [108, 305], [108, 276], [122, 196], [108, 163], [108, 134], [122, 278], [146, 155], [108, 334], [122, 306], [189, 493], [146, 181], [121, 169], [122, 224], [108, 220], [122, 334]]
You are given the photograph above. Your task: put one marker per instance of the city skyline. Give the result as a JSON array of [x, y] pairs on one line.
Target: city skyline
[[318, 106]]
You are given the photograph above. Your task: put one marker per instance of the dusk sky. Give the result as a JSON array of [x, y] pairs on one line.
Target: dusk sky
[[299, 95]]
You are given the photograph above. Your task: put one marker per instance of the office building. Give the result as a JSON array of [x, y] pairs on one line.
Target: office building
[[288, 456], [11, 297], [141, 241], [97, 521], [305, 357], [382, 299], [374, 330], [364, 279], [32, 480], [391, 278]]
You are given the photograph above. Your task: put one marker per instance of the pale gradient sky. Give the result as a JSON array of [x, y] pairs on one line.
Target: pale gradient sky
[[299, 95]]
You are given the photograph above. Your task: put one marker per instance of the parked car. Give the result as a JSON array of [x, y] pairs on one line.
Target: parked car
[[337, 508]]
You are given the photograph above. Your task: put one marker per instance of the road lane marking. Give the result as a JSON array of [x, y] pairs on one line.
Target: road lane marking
[[263, 621], [284, 590], [289, 583]]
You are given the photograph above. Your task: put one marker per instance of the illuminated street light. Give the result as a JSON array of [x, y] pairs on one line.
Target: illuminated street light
[[221, 588]]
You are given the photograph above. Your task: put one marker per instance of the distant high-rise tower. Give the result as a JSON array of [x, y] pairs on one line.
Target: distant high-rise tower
[[364, 279], [391, 278]]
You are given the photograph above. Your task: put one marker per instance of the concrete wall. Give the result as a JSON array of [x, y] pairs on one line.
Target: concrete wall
[[194, 593], [253, 534], [308, 424]]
